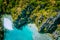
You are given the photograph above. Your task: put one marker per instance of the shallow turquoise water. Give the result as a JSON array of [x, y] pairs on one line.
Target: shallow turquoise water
[[29, 32], [16, 34], [59, 38], [25, 34]]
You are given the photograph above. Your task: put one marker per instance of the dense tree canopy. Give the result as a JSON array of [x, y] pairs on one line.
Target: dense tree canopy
[[36, 11]]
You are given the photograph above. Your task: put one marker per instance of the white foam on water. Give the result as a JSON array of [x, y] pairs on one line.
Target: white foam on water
[[34, 30], [7, 23], [36, 35], [29, 31], [33, 27]]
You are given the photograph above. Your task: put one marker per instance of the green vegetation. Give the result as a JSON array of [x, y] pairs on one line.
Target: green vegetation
[[41, 8]]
